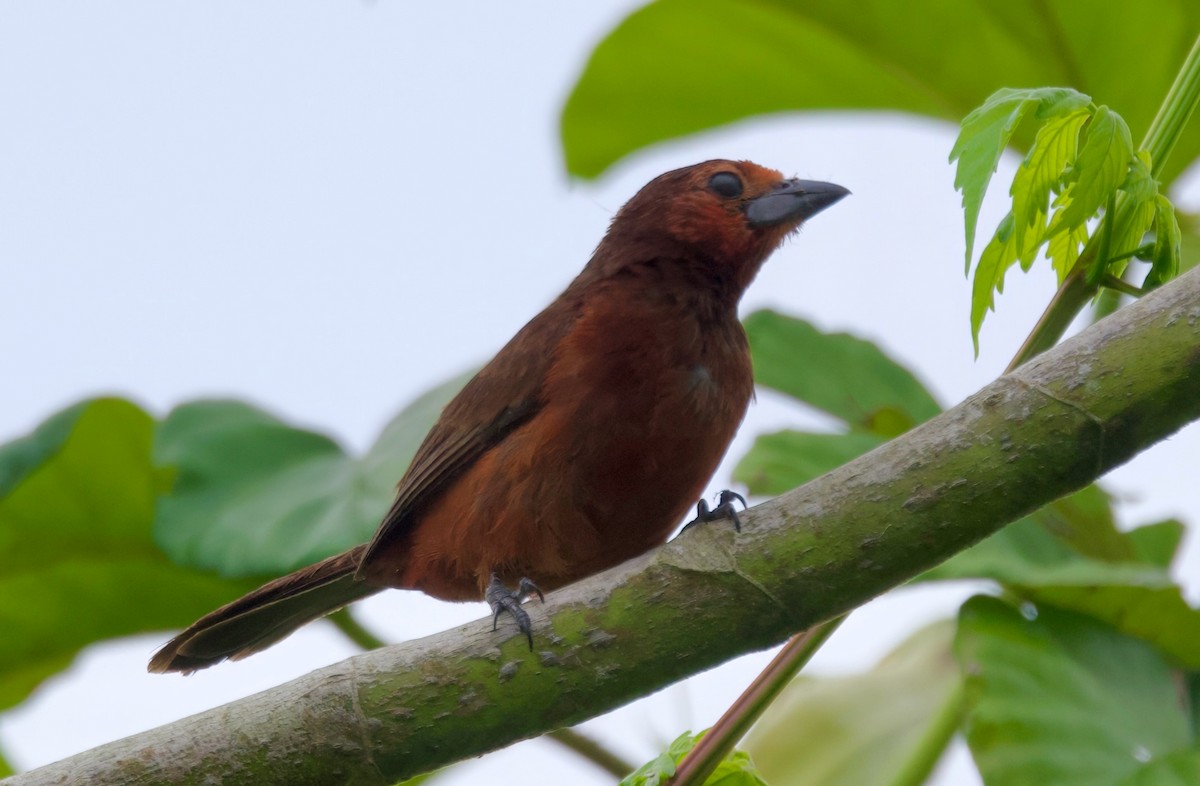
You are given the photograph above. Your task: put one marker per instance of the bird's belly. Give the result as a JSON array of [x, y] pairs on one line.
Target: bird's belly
[[577, 489], [639, 464]]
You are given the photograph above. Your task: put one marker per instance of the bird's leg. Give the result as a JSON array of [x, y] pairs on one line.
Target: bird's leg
[[501, 599], [725, 509]]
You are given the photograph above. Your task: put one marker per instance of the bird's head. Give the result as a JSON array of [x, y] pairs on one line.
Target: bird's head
[[731, 213]]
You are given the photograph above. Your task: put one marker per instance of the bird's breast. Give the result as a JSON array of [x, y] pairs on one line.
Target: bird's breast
[[639, 404], [649, 401]]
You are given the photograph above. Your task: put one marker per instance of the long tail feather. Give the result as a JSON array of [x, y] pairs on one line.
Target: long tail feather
[[270, 613]]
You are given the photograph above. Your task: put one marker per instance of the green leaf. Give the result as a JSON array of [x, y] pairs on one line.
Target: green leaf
[[1063, 699], [1085, 522], [1073, 539], [1100, 168], [1027, 556], [1139, 183], [1153, 613], [998, 256], [1041, 173], [735, 770], [5, 768], [859, 384], [1178, 768], [1071, 554], [78, 564], [1141, 195], [24, 455], [986, 132], [1064, 249], [862, 729], [675, 67], [786, 459], [1189, 242], [1156, 544], [256, 496], [1165, 259]]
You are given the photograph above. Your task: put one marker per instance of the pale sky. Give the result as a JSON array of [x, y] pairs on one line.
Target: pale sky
[[328, 208]]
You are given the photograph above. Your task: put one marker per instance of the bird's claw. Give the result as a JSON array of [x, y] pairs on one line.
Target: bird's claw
[[725, 509], [501, 599]]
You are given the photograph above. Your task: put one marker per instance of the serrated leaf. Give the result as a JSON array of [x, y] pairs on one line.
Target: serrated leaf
[[1064, 249], [1139, 183], [255, 496], [986, 132], [997, 257], [1141, 198], [1099, 169], [78, 563], [859, 383], [735, 770], [1063, 699], [1042, 172], [861, 729], [1165, 259]]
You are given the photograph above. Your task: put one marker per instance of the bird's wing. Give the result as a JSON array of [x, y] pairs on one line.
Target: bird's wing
[[503, 395]]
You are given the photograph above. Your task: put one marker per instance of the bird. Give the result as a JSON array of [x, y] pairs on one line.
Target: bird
[[588, 437]]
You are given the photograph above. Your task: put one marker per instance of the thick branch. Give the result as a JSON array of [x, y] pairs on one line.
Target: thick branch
[[808, 556]]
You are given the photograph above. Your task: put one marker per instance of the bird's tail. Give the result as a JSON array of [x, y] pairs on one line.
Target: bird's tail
[[270, 613]]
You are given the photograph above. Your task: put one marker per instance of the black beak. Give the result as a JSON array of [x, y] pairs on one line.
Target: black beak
[[792, 201]]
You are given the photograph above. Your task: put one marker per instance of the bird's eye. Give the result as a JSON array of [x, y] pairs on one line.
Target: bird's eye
[[726, 184]]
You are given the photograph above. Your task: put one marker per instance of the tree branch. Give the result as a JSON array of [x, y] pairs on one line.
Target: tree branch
[[810, 555]]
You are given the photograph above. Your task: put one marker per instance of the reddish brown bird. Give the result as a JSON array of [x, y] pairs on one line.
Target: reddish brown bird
[[586, 440]]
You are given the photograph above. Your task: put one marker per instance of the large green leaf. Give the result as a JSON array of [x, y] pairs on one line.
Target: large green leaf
[[1180, 768], [861, 730], [1152, 612], [1070, 555], [1086, 521], [787, 459], [256, 496], [676, 67], [1064, 699], [858, 383], [77, 562], [1156, 544]]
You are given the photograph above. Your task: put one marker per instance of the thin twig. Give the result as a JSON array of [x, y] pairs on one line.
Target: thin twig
[[344, 621], [592, 751]]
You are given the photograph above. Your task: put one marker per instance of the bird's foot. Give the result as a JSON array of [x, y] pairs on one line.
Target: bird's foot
[[501, 599], [725, 509]]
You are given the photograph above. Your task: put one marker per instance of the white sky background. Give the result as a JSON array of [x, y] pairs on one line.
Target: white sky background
[[327, 208]]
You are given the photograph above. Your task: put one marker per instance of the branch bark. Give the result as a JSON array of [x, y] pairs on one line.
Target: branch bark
[[1048, 429]]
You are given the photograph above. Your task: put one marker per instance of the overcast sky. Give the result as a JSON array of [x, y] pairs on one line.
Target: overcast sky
[[327, 208]]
